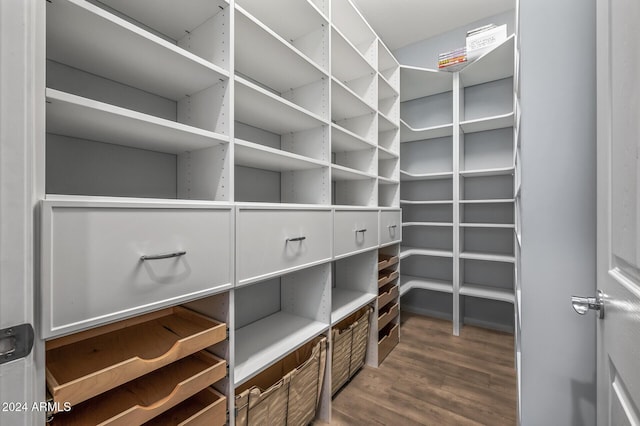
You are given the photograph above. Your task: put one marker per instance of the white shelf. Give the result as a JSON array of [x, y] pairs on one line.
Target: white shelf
[[263, 342], [87, 37], [488, 123], [406, 176], [487, 256], [429, 202], [169, 17], [302, 17], [82, 118], [387, 181], [254, 155], [345, 173], [385, 89], [488, 225], [386, 154], [257, 107], [345, 302], [494, 65], [494, 201], [263, 55], [485, 292], [350, 22], [343, 140], [347, 63], [419, 82], [408, 282], [428, 224], [385, 123], [409, 134], [498, 171], [386, 60], [417, 251], [345, 103]]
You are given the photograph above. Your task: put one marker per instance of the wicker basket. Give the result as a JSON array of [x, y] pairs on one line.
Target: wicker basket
[[350, 338], [293, 387]]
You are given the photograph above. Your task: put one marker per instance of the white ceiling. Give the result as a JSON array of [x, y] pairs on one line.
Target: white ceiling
[[402, 22]]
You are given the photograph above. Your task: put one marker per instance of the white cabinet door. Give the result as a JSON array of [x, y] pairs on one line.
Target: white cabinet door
[[273, 242], [106, 261], [354, 230]]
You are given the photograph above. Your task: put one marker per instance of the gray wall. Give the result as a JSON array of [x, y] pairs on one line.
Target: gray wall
[[425, 53], [558, 128]]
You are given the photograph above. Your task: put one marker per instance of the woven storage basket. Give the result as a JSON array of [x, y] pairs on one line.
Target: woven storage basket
[[350, 337], [293, 387]]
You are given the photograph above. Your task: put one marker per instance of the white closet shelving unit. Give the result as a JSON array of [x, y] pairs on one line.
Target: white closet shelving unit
[[235, 158], [458, 166]]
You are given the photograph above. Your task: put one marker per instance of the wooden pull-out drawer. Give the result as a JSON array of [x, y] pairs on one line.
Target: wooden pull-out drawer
[[388, 338], [148, 396], [354, 230], [388, 294], [86, 364], [275, 241], [103, 261], [390, 226], [386, 276], [386, 260], [206, 408], [387, 315]]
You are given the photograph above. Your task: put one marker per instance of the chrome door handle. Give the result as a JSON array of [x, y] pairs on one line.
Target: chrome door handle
[[583, 304]]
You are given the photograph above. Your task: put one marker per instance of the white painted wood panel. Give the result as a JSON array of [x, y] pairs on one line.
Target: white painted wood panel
[[354, 231]]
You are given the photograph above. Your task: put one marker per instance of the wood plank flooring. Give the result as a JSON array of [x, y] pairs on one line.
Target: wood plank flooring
[[435, 378]]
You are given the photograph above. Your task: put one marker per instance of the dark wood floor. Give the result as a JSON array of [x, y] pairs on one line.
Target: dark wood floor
[[434, 378]]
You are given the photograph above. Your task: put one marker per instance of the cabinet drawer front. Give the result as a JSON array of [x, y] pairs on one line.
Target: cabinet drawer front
[[270, 242], [390, 226], [354, 230], [92, 271]]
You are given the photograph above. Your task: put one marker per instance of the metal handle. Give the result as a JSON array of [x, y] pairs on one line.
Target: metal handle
[[361, 230], [162, 256], [583, 304], [288, 240], [393, 226]]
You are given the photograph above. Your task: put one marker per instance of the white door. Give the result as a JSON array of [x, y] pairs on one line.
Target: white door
[[21, 109], [618, 266]]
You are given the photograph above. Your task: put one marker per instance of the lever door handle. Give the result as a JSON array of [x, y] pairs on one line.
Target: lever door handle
[[584, 304]]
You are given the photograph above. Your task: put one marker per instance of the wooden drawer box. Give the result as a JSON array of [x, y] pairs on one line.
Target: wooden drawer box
[[387, 315], [386, 276], [86, 364], [386, 260], [387, 294], [271, 242], [390, 226], [206, 408], [148, 396], [388, 338], [354, 230], [98, 260]]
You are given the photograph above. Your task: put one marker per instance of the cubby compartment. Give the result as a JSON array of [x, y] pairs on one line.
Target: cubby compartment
[[389, 141], [350, 68], [429, 236], [303, 29], [491, 99], [388, 193], [427, 273], [491, 212], [389, 168], [431, 303], [427, 112], [353, 189], [354, 284], [389, 70], [487, 280], [351, 113], [428, 190], [488, 152], [388, 102], [486, 188], [347, 20], [427, 213], [487, 313], [275, 317], [427, 159], [487, 240], [363, 160]]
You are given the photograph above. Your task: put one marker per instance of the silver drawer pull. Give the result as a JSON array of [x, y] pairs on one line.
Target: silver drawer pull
[[288, 240], [361, 230], [162, 256], [393, 226]]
